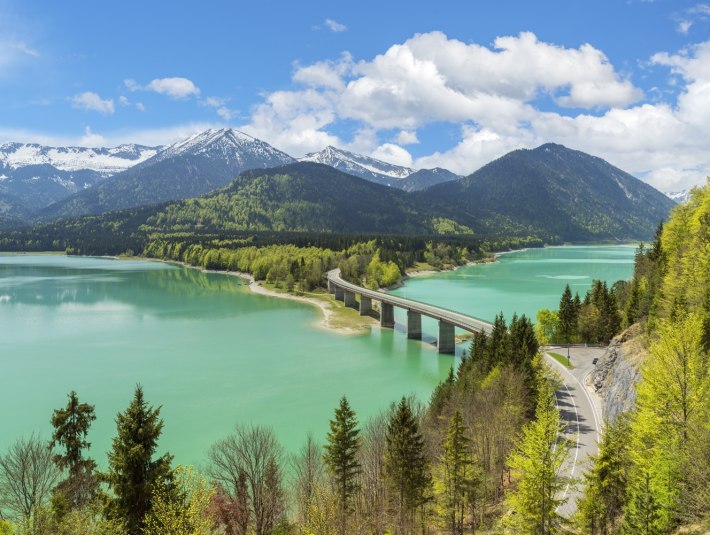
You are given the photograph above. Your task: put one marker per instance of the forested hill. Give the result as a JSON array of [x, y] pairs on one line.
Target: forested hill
[[556, 191], [303, 196], [551, 193]]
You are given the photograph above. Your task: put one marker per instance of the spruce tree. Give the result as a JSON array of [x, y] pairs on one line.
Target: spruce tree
[[71, 426], [642, 515], [341, 457], [406, 466], [133, 474], [567, 315], [457, 476]]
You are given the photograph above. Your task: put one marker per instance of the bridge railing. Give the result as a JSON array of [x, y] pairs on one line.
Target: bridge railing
[[334, 277]]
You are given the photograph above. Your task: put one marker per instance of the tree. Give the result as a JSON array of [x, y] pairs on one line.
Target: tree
[[308, 473], [71, 426], [182, 509], [133, 475], [406, 466], [642, 516], [457, 475], [27, 477], [341, 457], [535, 464], [605, 489], [567, 315], [547, 326], [249, 460]]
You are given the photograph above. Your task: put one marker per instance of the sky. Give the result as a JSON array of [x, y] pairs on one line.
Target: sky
[[450, 84]]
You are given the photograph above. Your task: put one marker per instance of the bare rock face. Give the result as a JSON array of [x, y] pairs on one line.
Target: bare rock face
[[617, 372]]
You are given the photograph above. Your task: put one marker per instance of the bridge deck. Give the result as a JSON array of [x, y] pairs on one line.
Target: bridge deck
[[463, 321]]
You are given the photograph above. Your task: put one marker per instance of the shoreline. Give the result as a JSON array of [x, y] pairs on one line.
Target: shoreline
[[326, 307]]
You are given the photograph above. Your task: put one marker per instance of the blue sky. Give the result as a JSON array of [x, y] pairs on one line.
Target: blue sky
[[451, 84]]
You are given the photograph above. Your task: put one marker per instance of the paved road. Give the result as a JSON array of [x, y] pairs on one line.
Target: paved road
[[468, 323], [580, 410]]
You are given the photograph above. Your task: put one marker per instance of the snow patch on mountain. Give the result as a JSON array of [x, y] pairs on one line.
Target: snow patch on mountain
[[357, 164], [105, 161], [678, 196], [232, 146]]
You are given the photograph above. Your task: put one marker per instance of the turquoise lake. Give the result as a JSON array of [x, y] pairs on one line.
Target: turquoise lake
[[212, 354]]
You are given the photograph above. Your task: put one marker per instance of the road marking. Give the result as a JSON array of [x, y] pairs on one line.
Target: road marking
[[576, 414]]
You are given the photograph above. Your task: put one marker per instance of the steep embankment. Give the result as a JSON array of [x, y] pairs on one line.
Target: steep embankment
[[617, 372]]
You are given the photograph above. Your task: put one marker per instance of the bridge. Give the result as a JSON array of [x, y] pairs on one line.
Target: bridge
[[449, 320]]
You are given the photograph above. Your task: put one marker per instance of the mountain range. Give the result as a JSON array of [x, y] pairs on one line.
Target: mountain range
[[33, 176], [233, 181]]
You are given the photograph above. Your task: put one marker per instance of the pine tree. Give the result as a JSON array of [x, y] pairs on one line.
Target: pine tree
[[605, 489], [457, 476], [642, 515], [535, 463], [133, 475], [567, 315], [406, 466], [71, 426], [341, 457]]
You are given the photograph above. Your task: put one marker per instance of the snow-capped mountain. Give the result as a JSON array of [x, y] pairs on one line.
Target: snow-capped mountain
[[36, 176], [233, 147], [678, 196], [374, 170], [188, 168], [105, 161], [359, 165]]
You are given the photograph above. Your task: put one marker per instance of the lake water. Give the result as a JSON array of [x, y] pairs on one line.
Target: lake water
[[213, 354]]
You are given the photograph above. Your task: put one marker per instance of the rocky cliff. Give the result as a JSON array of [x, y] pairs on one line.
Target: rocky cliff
[[617, 372]]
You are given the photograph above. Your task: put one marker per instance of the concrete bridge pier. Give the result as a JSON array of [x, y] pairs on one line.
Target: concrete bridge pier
[[414, 325], [365, 305], [339, 293], [386, 315], [349, 299], [447, 338], [331, 287]]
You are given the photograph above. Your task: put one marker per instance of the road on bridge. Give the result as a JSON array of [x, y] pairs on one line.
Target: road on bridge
[[463, 321]]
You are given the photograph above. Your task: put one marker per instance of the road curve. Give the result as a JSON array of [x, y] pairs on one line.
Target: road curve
[[580, 412], [462, 321]]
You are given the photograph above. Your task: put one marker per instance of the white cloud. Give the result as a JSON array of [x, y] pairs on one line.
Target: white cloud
[[326, 74], [132, 85], [219, 104], [493, 94], [393, 154], [123, 101], [407, 137], [684, 25], [140, 106], [92, 102], [24, 49], [92, 139], [175, 87], [335, 26]]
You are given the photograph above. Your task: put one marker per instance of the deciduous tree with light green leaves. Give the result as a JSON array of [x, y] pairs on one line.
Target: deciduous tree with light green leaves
[[535, 467], [673, 395], [184, 509]]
